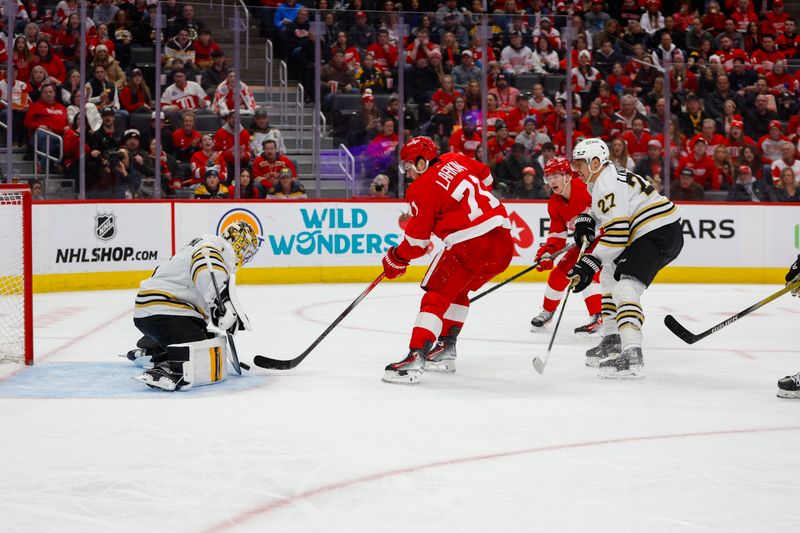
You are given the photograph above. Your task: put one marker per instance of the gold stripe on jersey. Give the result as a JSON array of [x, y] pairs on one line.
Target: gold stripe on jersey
[[151, 297], [200, 268], [615, 232], [652, 212], [199, 261], [212, 252]]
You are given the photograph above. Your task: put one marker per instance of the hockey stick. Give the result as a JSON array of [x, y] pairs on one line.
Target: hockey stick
[[539, 364], [520, 274], [237, 366], [690, 338], [280, 364]]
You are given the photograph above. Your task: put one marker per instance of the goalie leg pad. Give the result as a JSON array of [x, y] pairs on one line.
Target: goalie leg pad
[[202, 362]]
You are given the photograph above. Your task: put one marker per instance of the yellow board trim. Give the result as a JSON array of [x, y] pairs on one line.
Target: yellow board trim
[[279, 275]]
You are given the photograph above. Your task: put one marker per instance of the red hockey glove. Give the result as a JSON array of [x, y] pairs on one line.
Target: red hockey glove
[[584, 270], [393, 266], [544, 257]]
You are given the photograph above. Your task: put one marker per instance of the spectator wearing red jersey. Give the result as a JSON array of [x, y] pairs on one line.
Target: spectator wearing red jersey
[[539, 102], [608, 101], [420, 48], [623, 119], [787, 160], [618, 80], [710, 136], [249, 190], [727, 53], [493, 114], [442, 100], [135, 96], [205, 157], [637, 139], [705, 172], [584, 75], [224, 98], [47, 27], [45, 57], [49, 115], [506, 94], [517, 116], [204, 46], [183, 95], [774, 20], [186, 140], [500, 145], [100, 37], [381, 151], [385, 53], [765, 57], [651, 166], [22, 58], [467, 139], [789, 41], [736, 139], [725, 168], [595, 123], [743, 13], [351, 55], [224, 141], [779, 79], [770, 144], [268, 165]]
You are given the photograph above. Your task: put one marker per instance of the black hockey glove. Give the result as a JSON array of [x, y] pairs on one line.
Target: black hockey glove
[[584, 229], [584, 270], [794, 275]]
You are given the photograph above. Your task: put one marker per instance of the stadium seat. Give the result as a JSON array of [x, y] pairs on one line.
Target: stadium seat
[[143, 56], [525, 82], [208, 123]]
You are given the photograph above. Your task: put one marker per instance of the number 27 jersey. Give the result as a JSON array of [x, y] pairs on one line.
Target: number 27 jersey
[[453, 201], [626, 207]]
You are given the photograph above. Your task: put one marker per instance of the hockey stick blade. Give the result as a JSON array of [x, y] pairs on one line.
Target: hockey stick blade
[[287, 364], [681, 332], [690, 338], [538, 365]]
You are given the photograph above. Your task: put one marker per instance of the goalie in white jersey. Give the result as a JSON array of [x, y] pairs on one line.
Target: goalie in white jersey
[[639, 234], [176, 303]]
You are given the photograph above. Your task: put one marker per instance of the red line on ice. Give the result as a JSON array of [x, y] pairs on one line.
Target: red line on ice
[[275, 505]]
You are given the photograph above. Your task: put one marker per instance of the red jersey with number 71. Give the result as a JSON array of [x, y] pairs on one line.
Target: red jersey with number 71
[[452, 200]]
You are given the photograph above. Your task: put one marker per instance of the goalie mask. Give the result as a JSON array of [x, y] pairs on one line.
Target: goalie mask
[[242, 237]]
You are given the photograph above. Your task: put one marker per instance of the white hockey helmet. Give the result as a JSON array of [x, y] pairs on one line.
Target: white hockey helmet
[[588, 149]]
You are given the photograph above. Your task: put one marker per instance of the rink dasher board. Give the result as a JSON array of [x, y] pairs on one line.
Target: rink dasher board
[[115, 244]]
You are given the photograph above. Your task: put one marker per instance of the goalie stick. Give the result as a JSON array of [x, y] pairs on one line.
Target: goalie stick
[[538, 363], [237, 366], [690, 338], [520, 274], [280, 364]]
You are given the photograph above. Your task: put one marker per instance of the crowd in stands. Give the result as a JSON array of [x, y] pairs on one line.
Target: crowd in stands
[[120, 109], [733, 91], [733, 85]]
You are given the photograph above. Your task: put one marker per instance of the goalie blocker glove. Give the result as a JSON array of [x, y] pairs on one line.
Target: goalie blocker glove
[[225, 318], [794, 275], [584, 229], [584, 270], [393, 265]]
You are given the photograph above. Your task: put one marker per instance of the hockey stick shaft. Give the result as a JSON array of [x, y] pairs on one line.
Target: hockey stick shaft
[[280, 364], [540, 364], [519, 274], [690, 338], [237, 366]]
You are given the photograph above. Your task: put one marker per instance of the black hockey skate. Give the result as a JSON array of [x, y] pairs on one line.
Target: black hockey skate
[[789, 387], [609, 346], [408, 371], [540, 320], [628, 365], [161, 378], [592, 326], [442, 357]]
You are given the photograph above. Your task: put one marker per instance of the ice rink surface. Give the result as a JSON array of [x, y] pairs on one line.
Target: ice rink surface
[[701, 444]]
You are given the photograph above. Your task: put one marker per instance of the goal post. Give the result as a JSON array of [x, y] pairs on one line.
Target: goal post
[[16, 275]]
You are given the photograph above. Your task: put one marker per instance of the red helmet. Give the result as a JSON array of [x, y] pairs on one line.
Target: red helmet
[[556, 165], [417, 147]]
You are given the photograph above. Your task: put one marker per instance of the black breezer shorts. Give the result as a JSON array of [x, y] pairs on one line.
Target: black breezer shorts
[[650, 253], [172, 329]]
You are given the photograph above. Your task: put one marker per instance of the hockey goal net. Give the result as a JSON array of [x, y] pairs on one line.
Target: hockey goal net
[[16, 305]]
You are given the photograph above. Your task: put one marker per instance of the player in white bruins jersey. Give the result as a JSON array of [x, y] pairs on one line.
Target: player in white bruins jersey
[[639, 234], [176, 303]]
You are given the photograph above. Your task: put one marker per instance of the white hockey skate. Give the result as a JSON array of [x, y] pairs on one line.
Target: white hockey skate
[[408, 371], [789, 387], [541, 320], [442, 357], [610, 346], [627, 365]]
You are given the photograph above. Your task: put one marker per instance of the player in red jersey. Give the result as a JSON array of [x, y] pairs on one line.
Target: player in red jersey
[[570, 198], [451, 198]]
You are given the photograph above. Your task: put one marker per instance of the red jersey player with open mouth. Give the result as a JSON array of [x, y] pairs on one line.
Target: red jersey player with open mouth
[[450, 197], [570, 199]]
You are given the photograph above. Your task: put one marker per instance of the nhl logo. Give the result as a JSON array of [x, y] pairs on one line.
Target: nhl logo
[[105, 227]]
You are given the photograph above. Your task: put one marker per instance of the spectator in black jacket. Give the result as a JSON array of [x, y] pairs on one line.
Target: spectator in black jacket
[[531, 187], [509, 171], [749, 189], [756, 120], [216, 74]]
